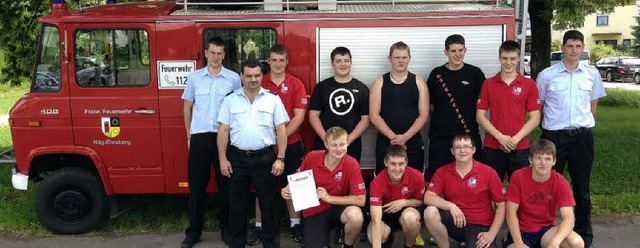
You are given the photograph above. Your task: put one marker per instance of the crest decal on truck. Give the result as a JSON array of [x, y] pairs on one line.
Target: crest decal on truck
[[110, 126]]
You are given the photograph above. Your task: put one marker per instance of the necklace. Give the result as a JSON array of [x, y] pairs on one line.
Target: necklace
[[398, 80]]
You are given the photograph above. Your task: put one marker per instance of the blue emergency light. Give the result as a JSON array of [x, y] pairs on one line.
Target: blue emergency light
[[111, 1], [59, 2]]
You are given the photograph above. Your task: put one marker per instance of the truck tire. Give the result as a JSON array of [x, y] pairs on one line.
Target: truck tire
[[71, 201]]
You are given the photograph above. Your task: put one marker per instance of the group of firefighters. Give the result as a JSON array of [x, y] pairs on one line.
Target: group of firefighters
[[248, 125]]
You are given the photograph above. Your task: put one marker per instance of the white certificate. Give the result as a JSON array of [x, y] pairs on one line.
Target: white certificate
[[303, 190]]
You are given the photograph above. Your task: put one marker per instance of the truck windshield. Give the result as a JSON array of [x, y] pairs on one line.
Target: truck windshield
[[47, 75]]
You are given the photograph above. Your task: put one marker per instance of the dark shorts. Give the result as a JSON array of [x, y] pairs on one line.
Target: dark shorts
[[316, 228], [292, 161], [393, 220], [531, 239], [467, 234], [506, 163]]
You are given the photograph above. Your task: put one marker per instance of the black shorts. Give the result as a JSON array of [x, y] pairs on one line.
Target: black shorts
[[316, 228], [506, 163], [467, 234], [393, 220], [292, 161], [531, 239]]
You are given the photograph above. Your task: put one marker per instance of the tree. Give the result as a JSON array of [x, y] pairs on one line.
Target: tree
[[562, 14], [19, 29], [636, 36]]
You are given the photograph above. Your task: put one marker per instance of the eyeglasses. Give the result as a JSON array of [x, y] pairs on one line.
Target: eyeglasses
[[464, 147]]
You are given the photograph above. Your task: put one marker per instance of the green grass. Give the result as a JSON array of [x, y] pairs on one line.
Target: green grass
[[9, 95]]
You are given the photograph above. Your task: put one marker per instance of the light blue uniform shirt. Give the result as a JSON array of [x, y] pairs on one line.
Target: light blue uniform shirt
[[567, 96], [252, 126], [207, 93]]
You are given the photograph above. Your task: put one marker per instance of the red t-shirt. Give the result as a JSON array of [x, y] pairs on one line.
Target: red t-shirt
[[538, 202], [293, 95], [345, 179], [383, 191], [473, 194], [509, 106]]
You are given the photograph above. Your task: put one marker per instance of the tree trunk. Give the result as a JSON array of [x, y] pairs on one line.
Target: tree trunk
[[540, 16]]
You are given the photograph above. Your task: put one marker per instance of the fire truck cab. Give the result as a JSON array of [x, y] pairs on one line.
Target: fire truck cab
[[104, 114]]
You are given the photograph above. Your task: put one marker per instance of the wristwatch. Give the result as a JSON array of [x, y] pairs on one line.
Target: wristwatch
[[280, 158]]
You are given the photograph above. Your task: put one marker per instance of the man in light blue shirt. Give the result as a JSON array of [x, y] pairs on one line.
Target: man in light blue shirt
[[569, 92], [205, 91], [252, 120]]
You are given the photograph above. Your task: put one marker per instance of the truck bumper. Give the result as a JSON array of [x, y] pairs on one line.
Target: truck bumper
[[19, 180]]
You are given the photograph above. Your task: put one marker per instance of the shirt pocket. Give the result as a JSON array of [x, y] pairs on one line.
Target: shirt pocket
[[239, 116], [265, 116], [586, 86]]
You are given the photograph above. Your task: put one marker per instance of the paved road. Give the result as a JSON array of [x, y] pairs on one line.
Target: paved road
[[622, 85], [616, 231]]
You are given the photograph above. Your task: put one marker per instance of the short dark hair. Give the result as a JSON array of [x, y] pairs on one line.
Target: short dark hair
[[216, 41], [453, 39], [279, 49], [252, 63], [399, 46], [396, 151], [543, 147], [463, 136], [340, 50], [572, 35], [509, 46]]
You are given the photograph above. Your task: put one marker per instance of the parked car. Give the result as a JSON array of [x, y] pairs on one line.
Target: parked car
[[619, 68], [557, 56], [527, 66]]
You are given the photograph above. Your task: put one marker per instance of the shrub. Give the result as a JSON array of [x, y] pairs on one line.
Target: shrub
[[621, 98]]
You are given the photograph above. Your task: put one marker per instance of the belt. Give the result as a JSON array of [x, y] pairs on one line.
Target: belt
[[570, 131], [250, 153]]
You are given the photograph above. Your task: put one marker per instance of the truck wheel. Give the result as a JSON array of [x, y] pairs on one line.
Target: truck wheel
[[609, 77], [70, 201]]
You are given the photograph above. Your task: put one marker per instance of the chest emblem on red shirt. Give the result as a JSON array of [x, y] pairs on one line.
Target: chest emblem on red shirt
[[405, 190], [284, 89], [516, 91], [471, 183], [338, 176]]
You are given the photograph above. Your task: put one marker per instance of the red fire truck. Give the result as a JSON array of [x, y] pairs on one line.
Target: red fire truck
[[104, 115]]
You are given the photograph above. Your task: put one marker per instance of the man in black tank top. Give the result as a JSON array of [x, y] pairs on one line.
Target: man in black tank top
[[398, 108], [454, 89]]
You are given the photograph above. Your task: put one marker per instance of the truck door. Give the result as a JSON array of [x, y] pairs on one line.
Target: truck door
[[114, 102]]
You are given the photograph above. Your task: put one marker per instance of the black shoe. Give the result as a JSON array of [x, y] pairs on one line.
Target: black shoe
[[296, 233], [189, 242], [340, 235], [253, 234]]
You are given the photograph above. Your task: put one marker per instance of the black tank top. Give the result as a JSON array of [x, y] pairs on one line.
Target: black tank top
[[399, 103]]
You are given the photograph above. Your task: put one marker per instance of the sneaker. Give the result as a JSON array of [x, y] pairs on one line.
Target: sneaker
[[253, 233], [432, 241], [296, 233], [340, 235], [419, 240]]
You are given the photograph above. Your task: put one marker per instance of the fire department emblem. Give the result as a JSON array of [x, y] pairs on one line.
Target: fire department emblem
[[405, 190], [284, 89], [517, 91], [111, 126], [471, 183], [338, 176]]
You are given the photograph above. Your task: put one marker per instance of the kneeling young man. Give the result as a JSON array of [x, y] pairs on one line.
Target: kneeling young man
[[395, 195], [535, 193], [459, 199], [340, 188]]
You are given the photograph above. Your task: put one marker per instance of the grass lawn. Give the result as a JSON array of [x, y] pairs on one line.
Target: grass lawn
[[615, 182]]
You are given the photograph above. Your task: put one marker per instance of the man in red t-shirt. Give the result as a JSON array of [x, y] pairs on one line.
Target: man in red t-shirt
[[294, 97], [510, 97], [535, 193], [459, 199], [341, 192], [395, 194]]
